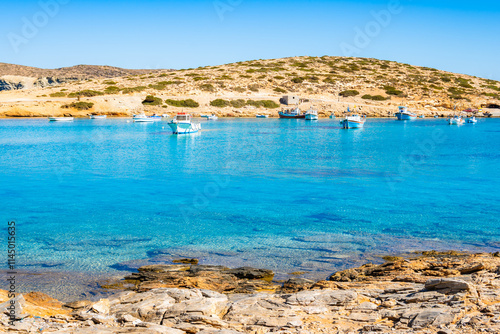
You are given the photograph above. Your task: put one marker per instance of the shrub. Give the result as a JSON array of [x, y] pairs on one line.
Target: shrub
[[389, 90], [254, 88], [129, 90], [350, 92], [463, 83], [238, 103], [58, 94], [152, 101], [375, 97], [279, 77], [263, 103], [189, 103], [240, 89], [112, 90], [220, 103], [298, 80], [86, 93], [109, 82], [207, 88], [279, 90], [78, 105]]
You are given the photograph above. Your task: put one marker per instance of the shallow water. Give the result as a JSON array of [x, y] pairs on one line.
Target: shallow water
[[89, 196]]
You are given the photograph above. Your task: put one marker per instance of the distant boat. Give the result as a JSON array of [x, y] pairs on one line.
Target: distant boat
[[156, 118], [312, 115], [142, 118], [262, 116], [292, 113], [98, 116], [436, 116], [421, 116], [353, 121], [472, 120], [212, 117], [182, 124], [61, 119], [405, 115], [456, 120], [332, 116]]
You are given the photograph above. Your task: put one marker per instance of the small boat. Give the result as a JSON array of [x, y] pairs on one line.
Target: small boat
[[312, 115], [156, 118], [292, 114], [436, 116], [421, 116], [262, 116], [212, 117], [404, 115], [332, 116], [472, 120], [353, 121], [61, 119], [456, 120], [182, 124], [98, 116], [142, 118]]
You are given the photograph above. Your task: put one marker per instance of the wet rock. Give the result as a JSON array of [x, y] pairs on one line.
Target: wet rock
[[251, 273]]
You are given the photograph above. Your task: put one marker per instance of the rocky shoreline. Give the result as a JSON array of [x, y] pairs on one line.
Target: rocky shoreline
[[429, 292]]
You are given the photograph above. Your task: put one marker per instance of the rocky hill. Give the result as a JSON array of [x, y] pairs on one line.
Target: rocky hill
[[327, 83]]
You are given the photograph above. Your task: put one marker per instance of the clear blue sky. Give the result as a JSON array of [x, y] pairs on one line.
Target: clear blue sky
[[458, 36]]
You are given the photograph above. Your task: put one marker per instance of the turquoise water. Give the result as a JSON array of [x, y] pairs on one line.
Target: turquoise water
[[92, 195]]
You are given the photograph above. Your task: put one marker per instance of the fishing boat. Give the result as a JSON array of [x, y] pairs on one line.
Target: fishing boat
[[142, 118], [182, 124], [353, 121], [312, 115], [436, 116], [472, 120], [262, 116], [98, 116], [404, 115], [421, 116], [212, 117], [456, 120], [332, 116], [292, 114], [156, 118], [61, 119]]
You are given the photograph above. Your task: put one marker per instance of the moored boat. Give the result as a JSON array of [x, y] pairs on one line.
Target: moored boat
[[332, 116], [98, 116], [472, 120], [456, 120], [61, 119], [353, 121], [292, 114], [311, 115], [182, 124], [261, 116], [142, 118], [404, 115]]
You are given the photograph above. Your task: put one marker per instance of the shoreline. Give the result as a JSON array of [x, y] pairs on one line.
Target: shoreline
[[430, 290]]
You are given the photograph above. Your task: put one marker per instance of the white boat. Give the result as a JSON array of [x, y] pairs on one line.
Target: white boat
[[312, 115], [212, 117], [262, 116], [472, 120], [353, 121], [404, 115], [182, 124], [421, 116], [436, 116], [456, 120], [292, 114], [332, 116], [142, 118], [61, 119], [98, 116]]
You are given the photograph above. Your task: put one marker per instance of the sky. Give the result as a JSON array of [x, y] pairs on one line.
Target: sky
[[457, 36]]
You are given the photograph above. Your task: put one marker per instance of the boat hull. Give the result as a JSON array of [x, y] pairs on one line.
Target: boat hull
[[61, 119], [456, 121], [285, 116], [184, 128], [311, 117], [98, 117], [261, 116], [347, 124], [406, 117], [143, 120]]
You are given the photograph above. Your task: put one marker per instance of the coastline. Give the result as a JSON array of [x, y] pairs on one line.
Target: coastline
[[438, 292]]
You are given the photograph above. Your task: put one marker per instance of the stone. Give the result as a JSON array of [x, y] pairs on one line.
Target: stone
[[432, 317], [102, 306], [322, 298], [78, 304], [251, 273], [447, 285]]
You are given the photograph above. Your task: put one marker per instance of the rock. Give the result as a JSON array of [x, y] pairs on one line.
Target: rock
[[78, 304], [101, 307], [251, 273], [447, 285], [322, 297], [364, 317], [432, 317]]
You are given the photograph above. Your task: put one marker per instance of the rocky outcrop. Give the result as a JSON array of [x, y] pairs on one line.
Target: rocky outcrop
[[18, 82], [459, 303]]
